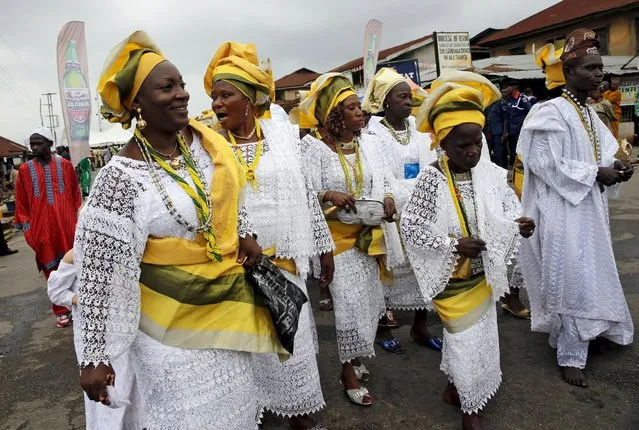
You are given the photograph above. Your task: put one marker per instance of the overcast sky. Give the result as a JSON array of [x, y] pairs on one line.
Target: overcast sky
[[319, 35]]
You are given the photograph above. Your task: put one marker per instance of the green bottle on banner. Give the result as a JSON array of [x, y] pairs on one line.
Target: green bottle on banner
[[76, 94]]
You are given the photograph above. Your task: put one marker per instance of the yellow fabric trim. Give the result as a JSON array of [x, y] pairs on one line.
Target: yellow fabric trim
[[460, 312], [446, 121], [518, 176], [340, 97], [283, 263], [228, 180]]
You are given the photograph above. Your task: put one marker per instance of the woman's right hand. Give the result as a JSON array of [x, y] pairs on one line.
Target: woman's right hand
[[470, 247], [342, 200], [94, 381]]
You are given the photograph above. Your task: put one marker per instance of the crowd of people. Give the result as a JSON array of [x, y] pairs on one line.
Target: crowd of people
[[185, 270]]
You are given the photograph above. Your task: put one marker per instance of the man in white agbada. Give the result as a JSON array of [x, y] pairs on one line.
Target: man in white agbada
[[569, 265]]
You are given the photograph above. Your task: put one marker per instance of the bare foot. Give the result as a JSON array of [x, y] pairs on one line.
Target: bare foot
[[303, 422], [471, 422], [451, 396], [515, 306], [574, 376]]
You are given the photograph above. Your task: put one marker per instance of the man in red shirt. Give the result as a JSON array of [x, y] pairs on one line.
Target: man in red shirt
[[47, 203]]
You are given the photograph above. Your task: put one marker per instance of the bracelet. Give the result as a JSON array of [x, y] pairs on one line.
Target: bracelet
[[321, 195], [327, 196], [389, 196]]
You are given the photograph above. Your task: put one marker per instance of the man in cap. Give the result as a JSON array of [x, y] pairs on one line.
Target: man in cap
[[516, 106], [569, 265], [47, 204]]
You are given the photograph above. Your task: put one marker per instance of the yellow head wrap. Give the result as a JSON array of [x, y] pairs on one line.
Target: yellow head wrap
[[549, 59], [124, 72], [489, 91], [237, 64], [378, 88], [448, 106], [326, 93]]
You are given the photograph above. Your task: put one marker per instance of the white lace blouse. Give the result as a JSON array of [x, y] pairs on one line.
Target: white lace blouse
[[122, 211]]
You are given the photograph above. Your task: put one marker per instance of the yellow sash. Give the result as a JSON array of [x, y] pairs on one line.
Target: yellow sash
[[189, 301], [368, 239], [463, 303]]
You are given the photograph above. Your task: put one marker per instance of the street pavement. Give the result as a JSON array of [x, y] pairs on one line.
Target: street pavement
[[39, 378]]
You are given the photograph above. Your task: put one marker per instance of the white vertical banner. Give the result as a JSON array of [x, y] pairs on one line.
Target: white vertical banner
[[75, 96], [372, 41]]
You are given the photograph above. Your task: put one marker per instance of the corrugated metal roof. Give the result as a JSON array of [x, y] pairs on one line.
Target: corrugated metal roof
[[561, 13], [524, 67]]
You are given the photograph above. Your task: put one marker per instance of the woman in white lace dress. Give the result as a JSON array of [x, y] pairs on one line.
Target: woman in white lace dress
[[158, 254], [286, 214], [345, 167], [406, 151], [461, 229]]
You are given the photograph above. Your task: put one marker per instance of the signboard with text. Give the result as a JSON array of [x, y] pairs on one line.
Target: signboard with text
[[407, 68], [452, 51]]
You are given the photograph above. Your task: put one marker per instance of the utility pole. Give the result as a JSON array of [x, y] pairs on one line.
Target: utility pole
[[52, 118]]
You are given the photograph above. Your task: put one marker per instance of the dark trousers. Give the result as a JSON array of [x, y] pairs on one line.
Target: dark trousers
[[4, 247], [498, 150]]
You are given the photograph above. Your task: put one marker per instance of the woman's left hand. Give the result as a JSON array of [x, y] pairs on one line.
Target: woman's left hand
[[526, 226], [389, 209], [250, 252]]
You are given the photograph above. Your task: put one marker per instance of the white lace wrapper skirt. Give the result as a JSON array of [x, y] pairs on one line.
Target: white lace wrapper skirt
[[358, 300], [195, 388], [470, 359], [292, 388], [404, 293], [517, 278]]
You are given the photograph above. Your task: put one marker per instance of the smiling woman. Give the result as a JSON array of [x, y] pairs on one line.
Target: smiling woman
[[159, 252], [287, 217]]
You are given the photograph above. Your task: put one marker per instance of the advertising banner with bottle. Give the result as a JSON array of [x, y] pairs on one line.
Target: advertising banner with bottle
[[74, 89]]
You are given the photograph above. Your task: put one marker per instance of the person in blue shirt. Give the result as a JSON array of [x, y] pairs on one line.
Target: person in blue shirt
[[494, 131], [515, 108]]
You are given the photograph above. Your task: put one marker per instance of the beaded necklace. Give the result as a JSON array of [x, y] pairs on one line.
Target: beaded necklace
[[249, 170], [458, 200], [356, 169], [200, 197], [404, 138], [589, 125]]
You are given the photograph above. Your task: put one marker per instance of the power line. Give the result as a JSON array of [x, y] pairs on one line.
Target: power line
[[19, 59], [13, 87]]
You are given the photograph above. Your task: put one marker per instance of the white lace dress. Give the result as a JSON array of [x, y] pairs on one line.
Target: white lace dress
[[358, 295], [180, 388], [404, 161], [286, 215], [430, 226]]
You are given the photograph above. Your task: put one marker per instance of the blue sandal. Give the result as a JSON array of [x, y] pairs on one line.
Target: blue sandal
[[435, 343], [390, 345]]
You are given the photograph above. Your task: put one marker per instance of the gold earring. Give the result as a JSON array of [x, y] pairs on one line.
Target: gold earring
[[140, 122]]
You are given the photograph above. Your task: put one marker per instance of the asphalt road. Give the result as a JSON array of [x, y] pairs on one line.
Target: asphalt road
[[39, 378]]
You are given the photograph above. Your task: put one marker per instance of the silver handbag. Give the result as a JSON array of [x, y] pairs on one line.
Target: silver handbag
[[369, 212]]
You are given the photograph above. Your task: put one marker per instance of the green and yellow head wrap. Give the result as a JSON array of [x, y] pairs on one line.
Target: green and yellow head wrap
[[327, 92], [237, 64], [125, 69]]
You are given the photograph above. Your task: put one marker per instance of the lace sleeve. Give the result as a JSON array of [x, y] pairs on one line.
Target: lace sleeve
[[424, 228], [110, 239], [321, 234], [245, 223]]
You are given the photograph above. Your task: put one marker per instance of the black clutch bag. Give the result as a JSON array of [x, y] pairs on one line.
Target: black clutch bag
[[283, 298]]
